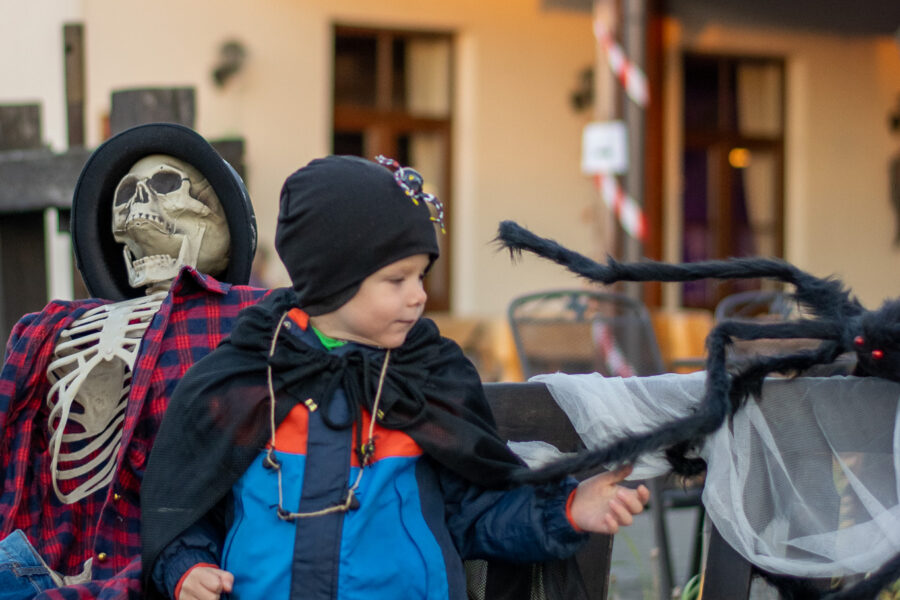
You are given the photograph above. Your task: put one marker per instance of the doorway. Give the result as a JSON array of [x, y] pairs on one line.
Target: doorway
[[733, 165], [392, 96]]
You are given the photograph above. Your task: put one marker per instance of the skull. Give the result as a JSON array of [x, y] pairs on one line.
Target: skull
[[168, 215]]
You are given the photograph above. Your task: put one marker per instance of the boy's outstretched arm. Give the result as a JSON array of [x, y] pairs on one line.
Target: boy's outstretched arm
[[601, 505]]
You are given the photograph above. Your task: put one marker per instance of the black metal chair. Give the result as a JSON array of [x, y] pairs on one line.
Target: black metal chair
[[754, 304], [728, 575], [583, 331], [586, 331], [527, 412]]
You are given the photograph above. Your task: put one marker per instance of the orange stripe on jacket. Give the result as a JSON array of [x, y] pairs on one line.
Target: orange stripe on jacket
[[388, 442], [292, 434], [299, 317]]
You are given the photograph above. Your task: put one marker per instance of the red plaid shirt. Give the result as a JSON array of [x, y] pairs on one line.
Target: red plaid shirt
[[198, 312]]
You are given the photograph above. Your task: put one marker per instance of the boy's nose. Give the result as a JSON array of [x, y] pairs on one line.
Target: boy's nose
[[419, 296]]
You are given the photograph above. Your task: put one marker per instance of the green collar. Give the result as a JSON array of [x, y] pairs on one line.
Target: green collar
[[330, 343]]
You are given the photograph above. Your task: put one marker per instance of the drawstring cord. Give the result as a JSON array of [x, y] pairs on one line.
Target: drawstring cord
[[366, 450], [270, 460]]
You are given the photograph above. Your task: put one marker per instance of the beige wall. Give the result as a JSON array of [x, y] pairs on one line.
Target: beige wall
[[517, 140], [31, 59], [840, 93]]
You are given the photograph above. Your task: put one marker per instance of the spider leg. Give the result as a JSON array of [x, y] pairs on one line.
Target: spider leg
[[716, 403], [803, 328], [627, 449], [745, 383], [748, 379], [827, 298], [711, 413]]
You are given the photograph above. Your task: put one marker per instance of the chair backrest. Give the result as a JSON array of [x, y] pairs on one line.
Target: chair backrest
[[815, 488], [726, 575], [762, 306], [583, 331], [527, 412], [754, 304]]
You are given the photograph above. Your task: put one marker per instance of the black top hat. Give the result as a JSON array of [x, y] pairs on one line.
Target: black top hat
[[97, 254]]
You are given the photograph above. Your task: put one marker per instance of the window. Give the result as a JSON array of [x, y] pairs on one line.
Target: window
[[392, 96], [733, 165]]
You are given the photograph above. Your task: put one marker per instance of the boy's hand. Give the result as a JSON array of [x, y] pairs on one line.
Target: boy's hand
[[205, 583], [602, 506]]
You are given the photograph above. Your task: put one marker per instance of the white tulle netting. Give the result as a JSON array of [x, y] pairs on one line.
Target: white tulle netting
[[803, 482]]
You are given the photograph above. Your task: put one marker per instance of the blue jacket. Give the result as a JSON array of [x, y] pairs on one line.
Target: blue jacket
[[414, 522]]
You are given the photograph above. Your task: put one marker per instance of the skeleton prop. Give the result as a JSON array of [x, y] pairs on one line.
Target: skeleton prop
[[85, 383], [167, 216], [160, 213]]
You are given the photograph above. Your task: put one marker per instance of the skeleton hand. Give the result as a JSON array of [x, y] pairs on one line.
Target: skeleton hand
[[602, 506]]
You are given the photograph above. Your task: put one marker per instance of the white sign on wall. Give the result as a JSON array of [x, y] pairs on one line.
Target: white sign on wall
[[604, 148]]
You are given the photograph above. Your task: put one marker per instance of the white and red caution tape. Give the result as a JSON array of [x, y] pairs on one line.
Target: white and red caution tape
[[627, 211], [610, 351], [629, 74]]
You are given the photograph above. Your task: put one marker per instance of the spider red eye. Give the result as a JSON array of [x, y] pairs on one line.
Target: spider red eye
[[877, 354], [859, 341]]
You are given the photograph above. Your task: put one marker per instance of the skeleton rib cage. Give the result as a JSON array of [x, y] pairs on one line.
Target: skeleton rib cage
[[90, 377]]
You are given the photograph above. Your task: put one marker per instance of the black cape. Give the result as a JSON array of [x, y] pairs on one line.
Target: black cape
[[217, 421]]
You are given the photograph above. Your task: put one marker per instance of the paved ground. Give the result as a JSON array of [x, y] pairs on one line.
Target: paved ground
[[634, 560]]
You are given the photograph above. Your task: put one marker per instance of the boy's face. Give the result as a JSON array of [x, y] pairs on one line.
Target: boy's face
[[387, 305]]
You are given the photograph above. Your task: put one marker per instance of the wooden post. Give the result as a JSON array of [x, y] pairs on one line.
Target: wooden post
[[20, 127], [73, 43], [605, 109], [634, 35], [23, 285], [151, 105]]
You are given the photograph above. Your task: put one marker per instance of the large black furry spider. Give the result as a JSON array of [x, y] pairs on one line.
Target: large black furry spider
[[836, 319]]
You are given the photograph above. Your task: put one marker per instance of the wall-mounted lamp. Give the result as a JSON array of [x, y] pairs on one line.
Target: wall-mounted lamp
[[739, 158], [583, 95], [231, 59]]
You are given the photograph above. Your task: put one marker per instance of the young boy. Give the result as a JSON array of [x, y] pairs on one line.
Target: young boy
[[270, 478]]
